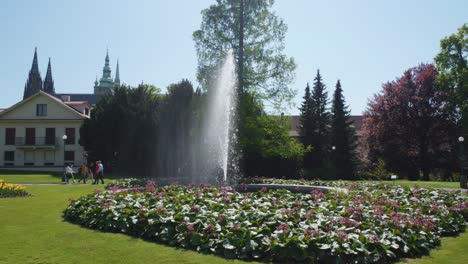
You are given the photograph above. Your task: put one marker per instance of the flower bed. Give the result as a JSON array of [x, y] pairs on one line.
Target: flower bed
[[126, 183], [11, 190], [374, 223]]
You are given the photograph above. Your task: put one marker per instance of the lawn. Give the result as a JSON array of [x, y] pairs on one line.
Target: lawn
[[33, 231], [36, 177], [426, 184], [44, 177]]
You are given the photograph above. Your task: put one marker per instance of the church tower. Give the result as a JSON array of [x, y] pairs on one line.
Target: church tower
[[106, 84], [48, 81], [34, 82]]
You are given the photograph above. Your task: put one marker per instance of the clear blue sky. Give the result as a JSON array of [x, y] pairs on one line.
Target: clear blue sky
[[363, 43]]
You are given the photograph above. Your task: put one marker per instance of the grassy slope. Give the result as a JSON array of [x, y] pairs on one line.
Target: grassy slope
[[32, 231]]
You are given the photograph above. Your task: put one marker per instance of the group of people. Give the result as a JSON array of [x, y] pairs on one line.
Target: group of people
[[94, 171]]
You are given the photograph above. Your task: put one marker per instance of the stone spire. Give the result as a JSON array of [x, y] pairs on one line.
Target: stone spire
[[117, 75], [34, 82], [48, 81]]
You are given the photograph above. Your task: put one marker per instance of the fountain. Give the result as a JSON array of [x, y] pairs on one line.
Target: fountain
[[194, 142], [219, 122]]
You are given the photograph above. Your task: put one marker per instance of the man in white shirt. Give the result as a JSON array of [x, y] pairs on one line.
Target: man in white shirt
[[100, 172], [69, 173]]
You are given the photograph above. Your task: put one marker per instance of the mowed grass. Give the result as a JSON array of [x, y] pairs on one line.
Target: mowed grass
[[426, 184], [32, 231], [454, 250], [45, 177], [38, 177]]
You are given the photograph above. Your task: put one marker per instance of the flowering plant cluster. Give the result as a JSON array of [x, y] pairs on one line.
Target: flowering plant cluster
[[126, 183], [373, 223], [12, 190], [262, 180]]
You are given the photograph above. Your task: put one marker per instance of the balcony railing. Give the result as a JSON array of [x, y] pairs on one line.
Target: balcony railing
[[36, 141]]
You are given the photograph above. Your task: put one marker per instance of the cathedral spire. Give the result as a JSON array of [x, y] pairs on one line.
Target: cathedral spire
[[117, 75], [48, 81], [34, 82]]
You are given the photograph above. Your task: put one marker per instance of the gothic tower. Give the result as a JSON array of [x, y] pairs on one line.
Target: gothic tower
[[48, 81], [34, 82]]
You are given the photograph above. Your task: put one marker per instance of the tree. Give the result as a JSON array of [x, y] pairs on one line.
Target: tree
[[453, 72], [410, 124], [320, 124], [306, 125], [343, 138], [268, 150], [256, 35], [123, 127]]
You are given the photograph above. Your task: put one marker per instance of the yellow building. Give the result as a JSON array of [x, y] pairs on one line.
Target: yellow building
[[42, 131]]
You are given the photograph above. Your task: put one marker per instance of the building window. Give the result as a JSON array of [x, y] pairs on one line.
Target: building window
[[70, 155], [50, 136], [30, 136], [41, 110], [10, 134], [86, 111], [9, 156], [70, 132]]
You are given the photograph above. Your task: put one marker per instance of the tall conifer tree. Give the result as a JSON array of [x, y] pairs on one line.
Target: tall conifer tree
[[320, 122], [306, 125], [343, 138]]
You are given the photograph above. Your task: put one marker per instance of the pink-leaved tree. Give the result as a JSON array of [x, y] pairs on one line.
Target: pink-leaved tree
[[410, 125]]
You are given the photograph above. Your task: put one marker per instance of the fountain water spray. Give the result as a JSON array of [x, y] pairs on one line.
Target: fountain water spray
[[197, 138], [220, 119]]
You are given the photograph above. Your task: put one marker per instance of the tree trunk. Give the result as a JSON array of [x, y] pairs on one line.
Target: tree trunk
[[240, 61]]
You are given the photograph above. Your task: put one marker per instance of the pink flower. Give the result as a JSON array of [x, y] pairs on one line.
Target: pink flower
[[151, 186], [209, 228], [342, 236], [283, 227]]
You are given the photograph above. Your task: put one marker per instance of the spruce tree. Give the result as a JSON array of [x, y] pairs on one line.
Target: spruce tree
[[305, 125], [320, 124], [343, 138]]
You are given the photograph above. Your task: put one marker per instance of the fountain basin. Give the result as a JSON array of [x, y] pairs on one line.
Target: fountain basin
[[290, 187]]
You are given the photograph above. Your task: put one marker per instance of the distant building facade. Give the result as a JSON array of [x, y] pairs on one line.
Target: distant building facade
[[31, 132]]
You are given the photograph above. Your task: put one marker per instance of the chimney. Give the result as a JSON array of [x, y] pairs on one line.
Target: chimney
[[65, 98]]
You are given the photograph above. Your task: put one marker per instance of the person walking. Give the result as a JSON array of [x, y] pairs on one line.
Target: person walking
[[91, 171], [84, 173], [69, 173], [99, 172]]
